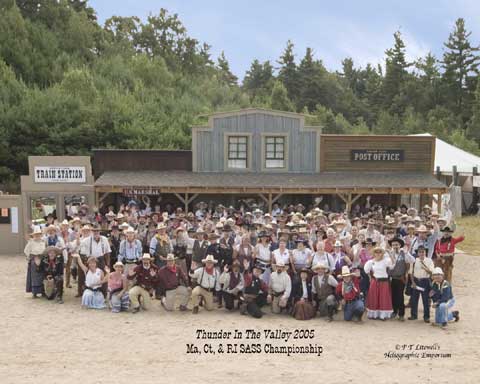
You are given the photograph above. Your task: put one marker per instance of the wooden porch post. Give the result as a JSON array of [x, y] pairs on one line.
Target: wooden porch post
[[270, 203]]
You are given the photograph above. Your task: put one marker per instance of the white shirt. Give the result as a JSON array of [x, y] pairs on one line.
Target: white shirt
[[324, 257], [263, 253], [207, 281], [90, 247], [93, 280], [281, 283], [300, 256], [379, 268], [418, 271], [282, 256]]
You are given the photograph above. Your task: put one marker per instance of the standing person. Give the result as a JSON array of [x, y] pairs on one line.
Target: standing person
[[33, 251], [262, 256], [97, 246], [160, 246], [426, 239], [301, 257], [114, 240], [118, 289], [321, 256], [130, 250], [445, 251], [52, 239], [233, 284], [226, 246], [146, 280], [340, 258], [281, 254], [379, 299], [173, 282], [92, 297], [208, 280], [180, 245], [365, 254], [421, 272], [244, 251], [349, 291], [401, 262], [323, 289], [442, 298], [302, 299], [199, 250], [52, 269], [280, 288]]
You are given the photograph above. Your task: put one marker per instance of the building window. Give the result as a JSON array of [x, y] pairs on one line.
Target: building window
[[275, 152], [238, 152]]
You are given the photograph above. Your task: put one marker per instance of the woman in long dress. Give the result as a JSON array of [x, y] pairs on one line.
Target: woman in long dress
[[94, 278], [34, 252], [379, 298]]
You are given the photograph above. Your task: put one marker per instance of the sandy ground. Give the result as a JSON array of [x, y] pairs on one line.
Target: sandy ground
[[43, 342]]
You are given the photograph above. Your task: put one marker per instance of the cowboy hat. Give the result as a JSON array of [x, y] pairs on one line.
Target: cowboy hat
[[52, 248], [64, 222], [146, 256], [161, 226], [378, 250], [319, 265], [124, 226], [86, 227], [118, 264], [444, 219], [371, 221], [51, 228], [76, 219], [422, 229], [36, 231], [130, 230], [199, 230], [219, 225], [110, 214], [369, 240], [437, 271], [397, 240], [346, 271], [337, 243], [120, 216], [209, 259], [171, 257], [446, 229], [96, 228]]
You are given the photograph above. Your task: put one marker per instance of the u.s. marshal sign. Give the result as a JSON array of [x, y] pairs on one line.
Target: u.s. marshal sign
[[47, 174]]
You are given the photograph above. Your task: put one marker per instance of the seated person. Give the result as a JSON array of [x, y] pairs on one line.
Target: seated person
[[117, 289], [92, 296], [233, 284], [52, 269], [303, 308]]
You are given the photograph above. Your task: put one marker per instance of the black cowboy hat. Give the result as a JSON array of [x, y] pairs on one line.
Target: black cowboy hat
[[446, 229], [422, 247], [369, 240], [263, 234], [397, 240]]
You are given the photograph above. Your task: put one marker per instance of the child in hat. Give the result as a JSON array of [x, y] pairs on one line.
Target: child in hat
[[118, 289], [442, 298], [349, 291]]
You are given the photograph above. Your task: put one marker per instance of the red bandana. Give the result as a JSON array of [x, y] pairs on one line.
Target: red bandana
[[209, 270]]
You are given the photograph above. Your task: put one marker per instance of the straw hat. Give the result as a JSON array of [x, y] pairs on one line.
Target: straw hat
[[146, 256], [130, 230], [210, 259], [120, 216], [422, 229], [118, 264], [54, 249], [378, 250], [161, 226], [319, 265], [171, 257], [36, 231], [346, 271], [110, 214], [437, 271], [76, 219], [86, 227], [65, 222], [337, 243], [123, 226]]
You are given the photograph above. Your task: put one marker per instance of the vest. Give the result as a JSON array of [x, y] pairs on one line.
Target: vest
[[400, 267], [199, 250], [325, 290], [234, 280], [162, 248]]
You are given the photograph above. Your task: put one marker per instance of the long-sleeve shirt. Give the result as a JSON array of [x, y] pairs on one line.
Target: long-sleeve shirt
[[330, 281], [171, 279], [207, 280], [428, 243], [280, 282], [130, 251], [34, 247], [226, 282], [144, 277], [442, 293], [90, 247], [447, 247], [153, 245], [379, 268], [349, 291]]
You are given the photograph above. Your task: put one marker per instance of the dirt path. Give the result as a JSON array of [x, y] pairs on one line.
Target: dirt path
[[42, 342]]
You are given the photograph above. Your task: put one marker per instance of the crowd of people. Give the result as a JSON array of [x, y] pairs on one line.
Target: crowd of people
[[297, 261]]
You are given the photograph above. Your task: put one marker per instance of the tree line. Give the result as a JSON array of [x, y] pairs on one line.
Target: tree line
[[69, 84]]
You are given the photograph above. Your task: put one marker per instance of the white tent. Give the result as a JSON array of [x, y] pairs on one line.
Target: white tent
[[447, 155]]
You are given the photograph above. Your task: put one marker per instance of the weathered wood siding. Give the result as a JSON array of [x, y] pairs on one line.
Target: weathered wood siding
[[302, 145], [419, 153]]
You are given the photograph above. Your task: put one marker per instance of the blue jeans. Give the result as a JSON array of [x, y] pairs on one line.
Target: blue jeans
[[443, 313], [424, 283], [355, 308]]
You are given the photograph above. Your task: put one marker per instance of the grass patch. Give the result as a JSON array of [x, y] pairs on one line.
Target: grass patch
[[469, 226]]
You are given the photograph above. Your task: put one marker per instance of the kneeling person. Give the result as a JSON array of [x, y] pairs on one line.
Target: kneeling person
[[303, 308], [173, 282], [280, 288], [233, 284], [443, 300], [349, 291], [146, 280], [323, 289], [52, 268], [208, 280]]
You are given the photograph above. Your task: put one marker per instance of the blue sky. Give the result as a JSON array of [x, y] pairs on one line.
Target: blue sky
[[247, 29]]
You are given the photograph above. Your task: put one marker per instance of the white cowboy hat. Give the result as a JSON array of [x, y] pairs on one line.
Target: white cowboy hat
[[124, 225], [422, 229], [337, 243], [110, 214], [319, 265], [171, 257], [86, 227], [36, 231], [65, 222], [118, 264], [161, 226], [130, 230], [346, 271], [146, 256], [219, 225], [76, 219], [120, 216], [257, 211], [209, 258], [437, 271]]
